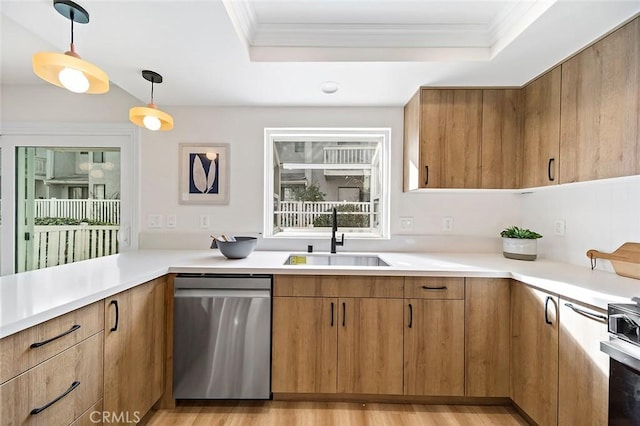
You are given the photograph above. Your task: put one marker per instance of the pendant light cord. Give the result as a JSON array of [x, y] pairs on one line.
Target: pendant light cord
[[71, 17], [152, 91]]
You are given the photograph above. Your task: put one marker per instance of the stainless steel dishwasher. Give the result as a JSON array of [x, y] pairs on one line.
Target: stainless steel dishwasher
[[222, 336]]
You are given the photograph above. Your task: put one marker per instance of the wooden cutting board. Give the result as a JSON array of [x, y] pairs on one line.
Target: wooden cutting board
[[625, 260]]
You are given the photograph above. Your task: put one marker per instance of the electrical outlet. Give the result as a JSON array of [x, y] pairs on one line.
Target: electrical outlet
[[406, 224], [154, 221], [447, 224], [559, 228], [204, 221], [171, 221]]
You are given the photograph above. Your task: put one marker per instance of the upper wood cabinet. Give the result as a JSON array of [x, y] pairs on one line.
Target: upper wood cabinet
[[134, 348], [600, 120], [541, 136], [501, 138], [442, 146]]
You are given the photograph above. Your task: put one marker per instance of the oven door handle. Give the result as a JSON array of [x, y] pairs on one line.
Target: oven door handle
[[623, 352]]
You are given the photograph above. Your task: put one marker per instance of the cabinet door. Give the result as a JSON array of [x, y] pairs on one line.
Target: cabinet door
[[534, 353], [600, 108], [134, 348], [583, 388], [434, 347], [501, 138], [305, 345], [411, 145], [541, 153], [451, 132], [369, 346], [487, 332]]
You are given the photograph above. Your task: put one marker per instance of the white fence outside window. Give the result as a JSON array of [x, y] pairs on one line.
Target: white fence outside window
[[302, 214], [100, 210]]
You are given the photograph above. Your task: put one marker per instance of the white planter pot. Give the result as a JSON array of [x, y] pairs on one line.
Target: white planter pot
[[520, 248]]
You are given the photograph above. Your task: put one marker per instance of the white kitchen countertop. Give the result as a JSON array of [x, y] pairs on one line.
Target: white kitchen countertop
[[29, 298]]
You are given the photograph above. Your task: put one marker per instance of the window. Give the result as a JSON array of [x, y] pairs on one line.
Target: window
[[311, 171]]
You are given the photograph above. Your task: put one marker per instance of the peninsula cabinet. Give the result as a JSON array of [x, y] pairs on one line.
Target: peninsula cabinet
[[583, 385], [134, 348], [434, 336], [541, 136], [534, 353], [487, 336], [600, 124], [337, 334]]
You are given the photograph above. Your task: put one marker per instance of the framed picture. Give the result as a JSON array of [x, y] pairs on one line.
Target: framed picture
[[204, 173]]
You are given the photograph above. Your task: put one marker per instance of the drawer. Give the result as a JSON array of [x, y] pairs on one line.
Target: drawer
[[27, 348], [338, 286], [63, 387], [434, 288]]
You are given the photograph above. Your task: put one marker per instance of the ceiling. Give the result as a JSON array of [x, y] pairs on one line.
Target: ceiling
[[279, 52]]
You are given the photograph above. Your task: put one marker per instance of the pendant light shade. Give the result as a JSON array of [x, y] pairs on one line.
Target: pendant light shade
[[150, 117], [67, 69]]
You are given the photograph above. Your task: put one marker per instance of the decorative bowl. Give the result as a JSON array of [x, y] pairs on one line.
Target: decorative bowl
[[238, 249]]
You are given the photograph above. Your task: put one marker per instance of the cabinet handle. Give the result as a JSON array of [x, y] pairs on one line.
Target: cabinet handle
[[426, 178], [546, 310], [344, 313], [44, 342], [551, 161], [49, 404], [115, 303], [591, 315], [444, 287], [331, 314], [410, 315]]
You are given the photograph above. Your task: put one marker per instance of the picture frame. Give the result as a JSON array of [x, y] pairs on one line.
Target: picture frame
[[204, 173]]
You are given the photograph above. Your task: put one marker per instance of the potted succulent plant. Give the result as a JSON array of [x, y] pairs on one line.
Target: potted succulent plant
[[519, 243]]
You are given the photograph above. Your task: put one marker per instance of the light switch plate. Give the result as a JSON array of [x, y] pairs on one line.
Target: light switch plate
[[171, 221], [406, 224], [559, 228], [204, 221]]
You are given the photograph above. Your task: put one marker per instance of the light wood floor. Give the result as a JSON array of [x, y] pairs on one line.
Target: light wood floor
[[289, 413]]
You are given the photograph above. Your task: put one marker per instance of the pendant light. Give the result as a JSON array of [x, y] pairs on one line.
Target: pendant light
[[67, 69], [150, 116]]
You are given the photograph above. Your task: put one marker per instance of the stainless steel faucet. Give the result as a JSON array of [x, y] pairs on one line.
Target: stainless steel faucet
[[334, 228]]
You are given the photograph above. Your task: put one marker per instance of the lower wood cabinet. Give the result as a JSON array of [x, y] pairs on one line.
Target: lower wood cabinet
[[304, 345], [434, 347], [134, 349], [534, 353], [369, 346], [583, 384]]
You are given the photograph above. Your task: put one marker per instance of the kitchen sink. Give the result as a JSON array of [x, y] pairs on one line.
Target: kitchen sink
[[334, 260]]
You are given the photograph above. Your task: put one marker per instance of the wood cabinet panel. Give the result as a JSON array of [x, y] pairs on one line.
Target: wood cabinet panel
[[534, 353], [501, 138], [338, 286], [411, 144], [304, 345], [77, 371], [92, 417], [487, 336], [451, 132], [17, 355], [434, 347], [434, 288], [134, 352], [600, 121], [541, 137], [583, 384], [370, 337]]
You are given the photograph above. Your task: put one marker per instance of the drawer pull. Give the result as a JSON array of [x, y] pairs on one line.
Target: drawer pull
[[444, 287], [115, 303], [410, 315], [44, 342], [590, 315], [49, 404], [344, 313], [331, 314], [546, 310]]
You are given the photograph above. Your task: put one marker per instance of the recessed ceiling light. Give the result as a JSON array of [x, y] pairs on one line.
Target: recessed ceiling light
[[329, 87]]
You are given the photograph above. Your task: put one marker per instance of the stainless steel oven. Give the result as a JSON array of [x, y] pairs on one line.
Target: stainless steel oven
[[623, 347]]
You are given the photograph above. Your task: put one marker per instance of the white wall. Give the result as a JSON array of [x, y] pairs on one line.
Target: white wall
[[598, 215]]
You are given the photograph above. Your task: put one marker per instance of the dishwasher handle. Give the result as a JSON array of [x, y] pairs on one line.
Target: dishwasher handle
[[219, 293]]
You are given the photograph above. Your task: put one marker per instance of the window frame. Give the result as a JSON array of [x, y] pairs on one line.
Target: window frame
[[369, 134]]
